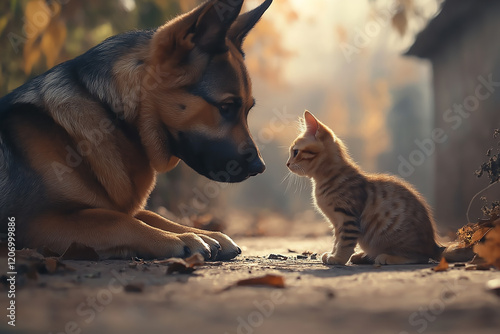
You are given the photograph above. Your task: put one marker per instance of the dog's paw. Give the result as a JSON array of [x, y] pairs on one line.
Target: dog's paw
[[214, 245], [229, 249], [195, 244], [329, 258]]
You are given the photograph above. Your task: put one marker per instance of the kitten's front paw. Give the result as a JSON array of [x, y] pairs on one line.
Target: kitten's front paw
[[329, 258]]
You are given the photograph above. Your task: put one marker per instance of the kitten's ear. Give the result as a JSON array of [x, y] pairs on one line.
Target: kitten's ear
[[311, 123]]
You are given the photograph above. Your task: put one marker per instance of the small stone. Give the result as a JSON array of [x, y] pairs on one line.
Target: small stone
[[494, 286], [277, 257], [134, 287], [93, 275], [448, 295]]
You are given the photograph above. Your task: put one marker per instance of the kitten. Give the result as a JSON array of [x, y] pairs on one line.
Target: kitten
[[387, 217]]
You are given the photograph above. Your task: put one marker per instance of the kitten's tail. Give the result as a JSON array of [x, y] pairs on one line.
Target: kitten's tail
[[454, 253]]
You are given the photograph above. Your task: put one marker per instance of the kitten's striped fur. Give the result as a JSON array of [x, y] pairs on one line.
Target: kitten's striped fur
[[389, 219]]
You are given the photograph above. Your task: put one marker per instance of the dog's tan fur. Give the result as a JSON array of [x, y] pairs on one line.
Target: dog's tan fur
[[99, 199]]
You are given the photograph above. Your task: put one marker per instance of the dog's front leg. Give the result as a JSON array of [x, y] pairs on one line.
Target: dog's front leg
[[111, 234], [222, 247]]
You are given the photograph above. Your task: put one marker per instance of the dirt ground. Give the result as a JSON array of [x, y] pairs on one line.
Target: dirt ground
[[316, 298]]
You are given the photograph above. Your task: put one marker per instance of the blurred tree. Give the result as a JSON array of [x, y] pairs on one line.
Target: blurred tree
[[38, 34], [408, 16]]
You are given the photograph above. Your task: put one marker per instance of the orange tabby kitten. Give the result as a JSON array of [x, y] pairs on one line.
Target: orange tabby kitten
[[387, 217]]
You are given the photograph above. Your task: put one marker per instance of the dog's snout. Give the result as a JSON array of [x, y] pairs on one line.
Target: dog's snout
[[257, 166]]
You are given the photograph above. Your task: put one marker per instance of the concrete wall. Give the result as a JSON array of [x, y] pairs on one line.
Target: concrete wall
[[465, 62]]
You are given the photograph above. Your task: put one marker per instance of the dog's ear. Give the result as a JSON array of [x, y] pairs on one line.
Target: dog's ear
[[205, 27], [246, 22], [212, 27]]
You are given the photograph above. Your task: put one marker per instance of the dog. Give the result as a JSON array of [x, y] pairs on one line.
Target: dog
[[81, 144]]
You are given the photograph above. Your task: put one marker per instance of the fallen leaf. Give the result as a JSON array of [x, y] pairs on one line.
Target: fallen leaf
[[489, 250], [471, 233], [80, 252], [181, 266], [195, 260], [51, 265], [270, 280], [442, 266]]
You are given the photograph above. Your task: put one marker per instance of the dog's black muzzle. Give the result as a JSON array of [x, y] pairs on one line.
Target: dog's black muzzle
[[219, 159]]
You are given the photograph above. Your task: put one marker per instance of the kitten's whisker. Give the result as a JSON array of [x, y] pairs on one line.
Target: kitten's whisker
[[286, 176]]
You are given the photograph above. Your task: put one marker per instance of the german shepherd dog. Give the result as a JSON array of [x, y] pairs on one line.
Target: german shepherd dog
[[81, 145]]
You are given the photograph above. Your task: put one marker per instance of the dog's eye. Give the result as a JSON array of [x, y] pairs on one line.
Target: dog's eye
[[226, 108], [230, 108], [295, 152]]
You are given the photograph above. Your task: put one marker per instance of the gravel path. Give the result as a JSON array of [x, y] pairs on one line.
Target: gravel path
[[316, 299]]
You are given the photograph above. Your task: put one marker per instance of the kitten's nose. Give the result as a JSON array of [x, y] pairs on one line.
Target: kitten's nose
[[288, 164]]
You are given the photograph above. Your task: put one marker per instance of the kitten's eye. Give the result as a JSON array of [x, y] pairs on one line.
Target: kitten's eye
[[295, 152]]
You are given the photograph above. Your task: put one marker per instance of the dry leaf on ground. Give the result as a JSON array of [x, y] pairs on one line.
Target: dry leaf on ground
[[489, 250], [471, 233], [181, 266], [275, 281], [442, 266]]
